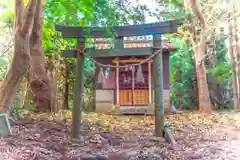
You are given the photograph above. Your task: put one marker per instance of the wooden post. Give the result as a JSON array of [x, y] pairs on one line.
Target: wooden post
[[149, 82], [117, 83], [133, 84], [78, 97], [158, 88], [119, 45]]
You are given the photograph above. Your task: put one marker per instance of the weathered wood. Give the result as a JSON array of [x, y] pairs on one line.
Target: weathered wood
[[127, 43], [119, 43], [122, 31], [133, 85], [110, 52], [149, 82], [129, 61], [140, 41], [117, 82], [158, 89], [78, 96]]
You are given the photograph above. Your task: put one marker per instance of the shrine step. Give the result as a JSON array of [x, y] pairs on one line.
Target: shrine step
[[133, 109]]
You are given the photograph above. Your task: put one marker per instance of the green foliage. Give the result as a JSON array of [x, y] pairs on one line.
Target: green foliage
[[3, 67], [221, 71], [7, 17], [102, 13], [109, 13], [182, 75], [219, 76]]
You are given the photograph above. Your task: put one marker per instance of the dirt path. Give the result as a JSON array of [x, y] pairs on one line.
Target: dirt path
[[200, 137], [213, 137]]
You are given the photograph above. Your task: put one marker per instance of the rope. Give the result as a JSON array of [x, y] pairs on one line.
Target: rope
[[120, 66]]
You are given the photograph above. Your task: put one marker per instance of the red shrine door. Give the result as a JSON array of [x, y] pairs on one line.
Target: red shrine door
[[131, 92]]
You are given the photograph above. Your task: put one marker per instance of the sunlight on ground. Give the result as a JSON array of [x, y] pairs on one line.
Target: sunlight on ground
[[191, 119]]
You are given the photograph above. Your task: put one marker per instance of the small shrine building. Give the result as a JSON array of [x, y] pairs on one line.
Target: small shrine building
[[120, 91]]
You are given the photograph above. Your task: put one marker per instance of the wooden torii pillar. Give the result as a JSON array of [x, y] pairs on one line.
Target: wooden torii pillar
[[158, 87], [79, 87]]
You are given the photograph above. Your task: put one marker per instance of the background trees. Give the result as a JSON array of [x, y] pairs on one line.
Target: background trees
[[185, 89]]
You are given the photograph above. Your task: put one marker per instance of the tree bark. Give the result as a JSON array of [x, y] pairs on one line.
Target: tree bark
[[238, 52], [25, 92], [39, 80], [66, 88], [199, 50], [203, 92], [233, 67], [51, 75], [21, 58]]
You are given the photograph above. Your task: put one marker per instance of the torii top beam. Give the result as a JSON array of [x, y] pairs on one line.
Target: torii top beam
[[121, 31]]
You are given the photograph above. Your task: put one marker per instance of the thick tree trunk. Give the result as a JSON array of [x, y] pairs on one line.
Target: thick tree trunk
[[39, 80], [20, 61], [199, 50], [66, 88], [203, 92], [233, 67]]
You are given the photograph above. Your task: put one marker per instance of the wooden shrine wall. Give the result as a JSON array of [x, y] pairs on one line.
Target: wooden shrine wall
[[111, 82], [105, 93]]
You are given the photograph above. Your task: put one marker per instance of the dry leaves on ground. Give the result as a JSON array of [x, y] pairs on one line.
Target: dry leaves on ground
[[198, 136]]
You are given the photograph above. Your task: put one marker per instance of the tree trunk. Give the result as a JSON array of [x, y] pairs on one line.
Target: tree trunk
[[66, 88], [203, 92], [199, 50], [51, 75], [238, 51], [233, 67], [39, 80], [25, 92], [21, 58]]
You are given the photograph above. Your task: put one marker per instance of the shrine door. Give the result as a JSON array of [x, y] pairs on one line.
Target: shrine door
[[131, 92]]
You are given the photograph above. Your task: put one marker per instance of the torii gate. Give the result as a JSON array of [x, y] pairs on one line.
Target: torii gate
[[155, 29]]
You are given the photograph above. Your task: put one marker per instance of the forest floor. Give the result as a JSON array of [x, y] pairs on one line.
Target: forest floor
[[198, 136]]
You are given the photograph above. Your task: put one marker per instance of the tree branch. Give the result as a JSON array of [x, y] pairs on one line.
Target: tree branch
[[7, 49], [192, 30], [29, 17], [18, 12], [196, 11], [36, 31]]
